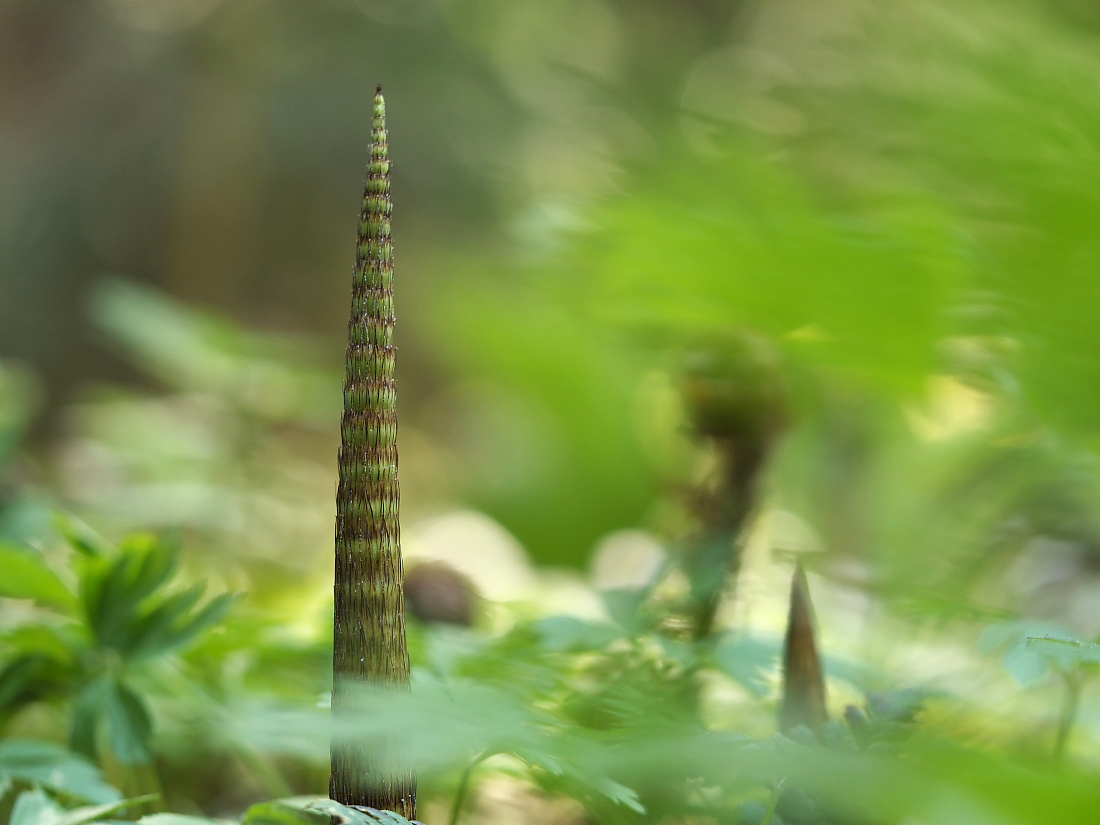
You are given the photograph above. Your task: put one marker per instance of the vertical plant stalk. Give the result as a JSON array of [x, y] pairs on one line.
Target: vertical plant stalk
[[803, 700], [1068, 715], [773, 803], [370, 648], [464, 787], [715, 557], [735, 397]]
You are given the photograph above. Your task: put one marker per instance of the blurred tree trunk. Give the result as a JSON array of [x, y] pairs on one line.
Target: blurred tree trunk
[[370, 648]]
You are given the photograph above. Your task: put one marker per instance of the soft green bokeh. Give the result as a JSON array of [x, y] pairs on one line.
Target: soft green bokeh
[[875, 225]]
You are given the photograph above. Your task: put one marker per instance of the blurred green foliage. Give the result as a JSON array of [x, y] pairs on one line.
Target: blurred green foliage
[[120, 623], [850, 248]]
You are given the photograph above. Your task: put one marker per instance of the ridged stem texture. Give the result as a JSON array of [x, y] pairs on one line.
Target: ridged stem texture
[[370, 648]]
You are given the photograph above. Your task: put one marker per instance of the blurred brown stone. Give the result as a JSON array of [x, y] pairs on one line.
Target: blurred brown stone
[[436, 593]]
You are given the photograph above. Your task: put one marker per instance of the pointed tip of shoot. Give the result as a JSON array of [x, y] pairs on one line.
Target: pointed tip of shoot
[[800, 588], [803, 700], [379, 103]]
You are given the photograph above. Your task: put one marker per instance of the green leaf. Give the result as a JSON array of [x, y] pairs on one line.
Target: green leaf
[[87, 712], [1065, 653], [619, 794], [25, 678], [27, 576], [297, 810], [1025, 665], [208, 616], [130, 727], [282, 812], [624, 606], [33, 807], [562, 633], [78, 816], [62, 642], [343, 813], [168, 626], [444, 724], [748, 660], [354, 816], [53, 767], [180, 819], [154, 630], [114, 589], [1025, 662], [80, 536], [193, 351], [308, 810]]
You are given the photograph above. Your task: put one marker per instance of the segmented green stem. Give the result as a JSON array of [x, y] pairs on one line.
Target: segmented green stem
[[370, 648]]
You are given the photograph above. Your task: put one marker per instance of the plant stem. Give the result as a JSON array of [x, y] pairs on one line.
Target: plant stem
[[370, 647], [737, 404], [773, 803], [1069, 713], [463, 788]]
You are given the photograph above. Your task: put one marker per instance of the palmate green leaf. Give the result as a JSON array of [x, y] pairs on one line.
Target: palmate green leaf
[[25, 575], [29, 677], [442, 726], [1066, 653], [749, 661], [153, 632], [624, 606], [283, 812], [53, 767], [439, 727], [355, 816], [91, 813], [113, 589], [62, 641], [170, 625], [88, 710], [573, 772], [619, 794], [80, 536], [317, 810], [120, 599], [1025, 662], [130, 726], [208, 616], [568, 633], [33, 807]]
